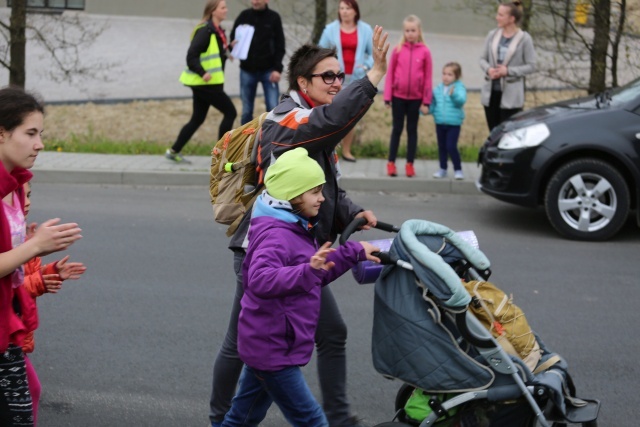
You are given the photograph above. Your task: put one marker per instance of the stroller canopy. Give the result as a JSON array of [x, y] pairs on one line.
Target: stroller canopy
[[413, 339]]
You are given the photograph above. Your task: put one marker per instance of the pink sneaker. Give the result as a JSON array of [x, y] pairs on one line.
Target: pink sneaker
[[391, 169], [409, 170]]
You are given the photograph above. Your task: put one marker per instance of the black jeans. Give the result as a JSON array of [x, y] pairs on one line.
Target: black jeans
[[204, 97], [399, 109], [496, 115], [331, 342]]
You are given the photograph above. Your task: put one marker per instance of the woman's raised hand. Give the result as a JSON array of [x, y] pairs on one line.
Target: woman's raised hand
[[380, 50]]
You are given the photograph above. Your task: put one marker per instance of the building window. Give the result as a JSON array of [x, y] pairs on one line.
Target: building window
[[54, 4]]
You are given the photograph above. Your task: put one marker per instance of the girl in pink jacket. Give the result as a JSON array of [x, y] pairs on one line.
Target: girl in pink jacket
[[407, 90]]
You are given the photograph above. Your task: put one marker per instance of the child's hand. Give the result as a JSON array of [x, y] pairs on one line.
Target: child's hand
[[368, 249], [70, 270], [319, 259], [52, 283], [31, 229], [424, 110], [451, 90]]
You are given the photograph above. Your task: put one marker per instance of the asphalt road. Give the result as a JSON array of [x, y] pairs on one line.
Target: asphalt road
[[132, 343]]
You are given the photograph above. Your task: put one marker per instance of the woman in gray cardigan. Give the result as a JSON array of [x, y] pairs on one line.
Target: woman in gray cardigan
[[508, 56]]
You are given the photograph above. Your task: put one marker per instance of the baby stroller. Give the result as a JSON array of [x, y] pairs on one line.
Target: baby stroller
[[425, 336]]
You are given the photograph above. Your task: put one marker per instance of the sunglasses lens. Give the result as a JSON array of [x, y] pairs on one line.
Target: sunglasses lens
[[329, 77]]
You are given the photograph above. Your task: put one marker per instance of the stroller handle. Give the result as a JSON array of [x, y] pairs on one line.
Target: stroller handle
[[353, 226]]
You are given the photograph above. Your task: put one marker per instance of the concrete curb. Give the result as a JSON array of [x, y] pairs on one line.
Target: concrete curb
[[201, 178]]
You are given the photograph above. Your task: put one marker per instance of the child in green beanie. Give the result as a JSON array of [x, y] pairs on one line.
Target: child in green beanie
[[284, 270]]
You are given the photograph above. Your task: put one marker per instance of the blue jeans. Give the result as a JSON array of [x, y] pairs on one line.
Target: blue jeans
[[248, 87], [287, 388], [448, 146]]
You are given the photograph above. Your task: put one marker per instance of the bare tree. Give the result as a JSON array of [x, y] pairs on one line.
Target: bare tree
[[600, 45], [62, 37], [617, 38], [320, 20], [17, 43]]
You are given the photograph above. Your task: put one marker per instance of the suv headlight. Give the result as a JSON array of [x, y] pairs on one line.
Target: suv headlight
[[529, 136]]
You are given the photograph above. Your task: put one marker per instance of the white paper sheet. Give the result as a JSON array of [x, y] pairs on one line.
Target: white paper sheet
[[243, 36]]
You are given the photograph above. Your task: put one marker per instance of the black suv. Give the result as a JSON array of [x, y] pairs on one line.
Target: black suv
[[579, 158]]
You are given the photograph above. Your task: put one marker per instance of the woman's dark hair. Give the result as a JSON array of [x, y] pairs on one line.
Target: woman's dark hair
[[353, 4], [515, 10], [304, 60], [15, 105]]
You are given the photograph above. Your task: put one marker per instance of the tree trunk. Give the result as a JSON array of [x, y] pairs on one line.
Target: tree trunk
[[615, 44], [320, 20], [601, 16], [18, 43], [527, 10]]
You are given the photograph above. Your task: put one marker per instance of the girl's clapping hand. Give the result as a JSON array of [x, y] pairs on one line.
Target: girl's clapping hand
[[319, 259]]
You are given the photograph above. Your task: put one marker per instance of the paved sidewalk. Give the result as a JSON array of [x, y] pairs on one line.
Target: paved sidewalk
[[364, 175]]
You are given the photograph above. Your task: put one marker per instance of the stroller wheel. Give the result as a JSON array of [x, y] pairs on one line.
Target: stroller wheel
[[533, 423], [404, 393], [392, 424]]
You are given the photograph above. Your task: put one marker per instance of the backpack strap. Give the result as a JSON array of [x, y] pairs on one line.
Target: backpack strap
[[547, 364]]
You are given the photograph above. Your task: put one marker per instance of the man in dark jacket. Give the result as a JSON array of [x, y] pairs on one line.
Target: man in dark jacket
[[264, 60]]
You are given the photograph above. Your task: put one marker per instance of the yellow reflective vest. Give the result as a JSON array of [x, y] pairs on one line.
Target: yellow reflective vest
[[210, 61]]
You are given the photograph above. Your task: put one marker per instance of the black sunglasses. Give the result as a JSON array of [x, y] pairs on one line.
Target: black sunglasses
[[329, 77]]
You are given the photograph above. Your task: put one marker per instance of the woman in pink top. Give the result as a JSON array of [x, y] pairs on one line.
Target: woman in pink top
[[407, 90]]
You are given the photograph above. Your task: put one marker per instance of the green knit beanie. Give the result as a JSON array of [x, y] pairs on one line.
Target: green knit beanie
[[293, 173]]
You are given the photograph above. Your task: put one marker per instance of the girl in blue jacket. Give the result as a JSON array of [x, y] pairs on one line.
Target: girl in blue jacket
[[448, 114], [283, 272]]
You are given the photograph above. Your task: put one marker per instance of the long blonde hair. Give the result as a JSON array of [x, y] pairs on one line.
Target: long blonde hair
[[411, 19], [208, 9]]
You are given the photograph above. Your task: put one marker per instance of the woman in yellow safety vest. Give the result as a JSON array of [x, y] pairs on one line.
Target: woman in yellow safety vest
[[205, 76]]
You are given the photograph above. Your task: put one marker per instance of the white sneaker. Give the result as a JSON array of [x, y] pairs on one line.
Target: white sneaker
[[458, 175], [442, 173]]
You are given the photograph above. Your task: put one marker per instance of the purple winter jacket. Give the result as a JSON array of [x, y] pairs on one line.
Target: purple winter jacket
[[281, 302]]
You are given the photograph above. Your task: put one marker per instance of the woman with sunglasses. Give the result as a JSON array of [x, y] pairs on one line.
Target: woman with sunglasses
[[315, 115]]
